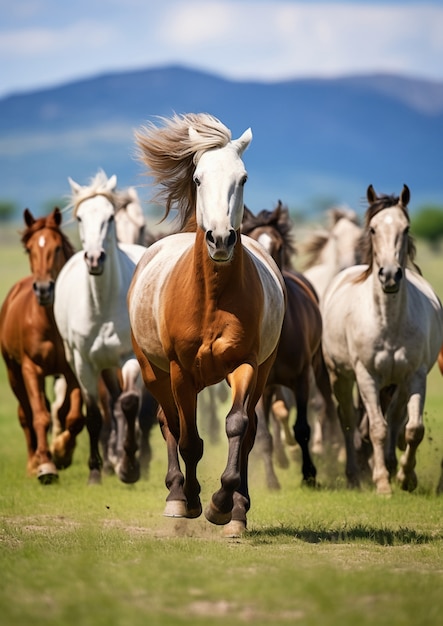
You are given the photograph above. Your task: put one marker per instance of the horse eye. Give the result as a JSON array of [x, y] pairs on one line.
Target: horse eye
[[197, 181], [243, 181], [111, 219], [372, 230], [79, 219]]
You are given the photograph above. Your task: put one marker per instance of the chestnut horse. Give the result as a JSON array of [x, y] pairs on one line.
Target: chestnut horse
[[299, 352], [383, 329], [204, 305], [33, 349]]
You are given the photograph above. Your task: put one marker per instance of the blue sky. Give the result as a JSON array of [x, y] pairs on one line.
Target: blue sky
[[48, 42]]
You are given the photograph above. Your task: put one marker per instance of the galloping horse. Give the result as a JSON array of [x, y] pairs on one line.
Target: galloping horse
[[205, 305], [33, 349], [383, 328], [299, 351], [91, 313]]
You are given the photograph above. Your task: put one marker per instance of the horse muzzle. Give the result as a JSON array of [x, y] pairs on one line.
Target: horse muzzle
[[390, 278], [44, 292], [221, 248], [95, 262]]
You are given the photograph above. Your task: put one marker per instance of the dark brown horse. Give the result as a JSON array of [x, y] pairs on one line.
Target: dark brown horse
[[33, 349], [299, 352]]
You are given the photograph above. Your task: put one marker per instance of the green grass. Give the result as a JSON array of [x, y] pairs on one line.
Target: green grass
[[77, 555]]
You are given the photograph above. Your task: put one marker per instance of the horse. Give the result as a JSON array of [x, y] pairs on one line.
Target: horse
[[299, 351], [383, 330], [329, 251], [32, 349], [91, 314], [205, 304], [129, 219]]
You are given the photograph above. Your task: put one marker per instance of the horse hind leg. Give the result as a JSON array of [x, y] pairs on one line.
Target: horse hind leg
[[71, 420], [264, 441], [414, 433]]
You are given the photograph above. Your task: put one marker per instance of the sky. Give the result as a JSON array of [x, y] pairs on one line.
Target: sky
[[44, 43]]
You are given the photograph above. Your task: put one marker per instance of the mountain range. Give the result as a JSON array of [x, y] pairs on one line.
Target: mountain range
[[315, 141]]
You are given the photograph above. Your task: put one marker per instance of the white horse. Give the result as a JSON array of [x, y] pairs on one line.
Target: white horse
[[332, 250], [129, 219], [383, 328], [91, 314]]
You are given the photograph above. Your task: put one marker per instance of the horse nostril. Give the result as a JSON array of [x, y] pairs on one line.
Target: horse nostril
[[232, 238], [210, 237], [399, 274]]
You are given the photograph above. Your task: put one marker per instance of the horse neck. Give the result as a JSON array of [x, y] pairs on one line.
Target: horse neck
[[392, 308], [107, 286], [212, 278]]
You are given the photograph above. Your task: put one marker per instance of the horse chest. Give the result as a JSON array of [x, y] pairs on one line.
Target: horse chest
[[107, 346]]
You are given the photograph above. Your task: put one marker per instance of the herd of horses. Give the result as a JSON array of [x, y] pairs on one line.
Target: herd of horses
[[135, 328]]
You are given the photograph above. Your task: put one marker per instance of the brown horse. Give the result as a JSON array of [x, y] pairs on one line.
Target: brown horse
[[204, 305], [33, 349], [299, 351]]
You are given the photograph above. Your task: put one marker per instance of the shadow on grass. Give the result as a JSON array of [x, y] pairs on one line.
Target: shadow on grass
[[381, 536]]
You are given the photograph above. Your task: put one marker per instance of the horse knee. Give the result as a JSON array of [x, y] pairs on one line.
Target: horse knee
[[414, 434]]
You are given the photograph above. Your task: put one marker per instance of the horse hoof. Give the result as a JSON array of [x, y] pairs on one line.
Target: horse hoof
[[129, 475], [95, 477], [384, 489], [175, 508], [47, 473], [234, 529], [215, 516]]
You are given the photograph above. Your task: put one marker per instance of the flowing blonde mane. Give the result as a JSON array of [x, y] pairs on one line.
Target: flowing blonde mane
[[96, 187], [171, 154]]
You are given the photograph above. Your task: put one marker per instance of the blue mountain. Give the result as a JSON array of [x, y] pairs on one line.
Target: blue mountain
[[314, 141]]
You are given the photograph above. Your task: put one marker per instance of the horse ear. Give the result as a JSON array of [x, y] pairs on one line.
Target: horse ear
[[57, 216], [28, 217], [112, 183], [405, 196], [243, 141], [371, 195], [75, 187]]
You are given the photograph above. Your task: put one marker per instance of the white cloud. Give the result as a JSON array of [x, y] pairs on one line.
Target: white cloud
[[239, 39]]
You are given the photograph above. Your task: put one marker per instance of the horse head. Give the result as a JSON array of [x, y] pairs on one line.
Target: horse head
[[387, 225], [219, 178], [48, 251], [94, 209]]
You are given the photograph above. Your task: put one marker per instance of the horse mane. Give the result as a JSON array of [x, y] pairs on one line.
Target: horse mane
[[48, 222], [279, 220], [171, 154], [315, 244], [96, 187], [383, 201]]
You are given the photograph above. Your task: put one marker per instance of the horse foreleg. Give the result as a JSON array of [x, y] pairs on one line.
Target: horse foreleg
[[24, 413], [414, 434], [378, 429], [220, 509], [129, 403], [302, 430], [190, 443], [342, 388], [41, 420]]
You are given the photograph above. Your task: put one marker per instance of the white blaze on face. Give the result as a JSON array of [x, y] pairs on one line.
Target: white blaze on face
[[388, 219], [42, 241], [266, 241]]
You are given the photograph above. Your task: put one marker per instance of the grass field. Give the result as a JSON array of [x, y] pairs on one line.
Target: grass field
[[77, 555]]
